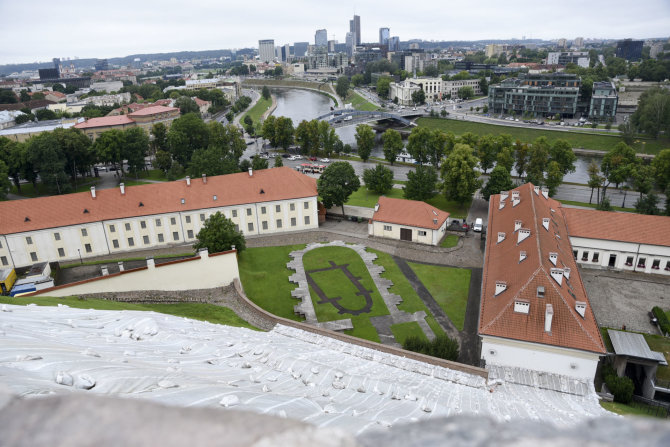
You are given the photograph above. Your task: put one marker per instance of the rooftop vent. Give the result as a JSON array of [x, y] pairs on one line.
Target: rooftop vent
[[204, 178], [435, 221], [553, 257], [545, 223], [501, 236], [183, 201], [500, 287], [140, 204], [566, 272], [504, 195], [262, 191], [85, 210], [251, 172], [215, 198], [522, 256], [557, 274], [188, 181], [548, 317], [545, 192], [517, 225], [580, 307], [123, 188], [537, 190], [376, 207], [93, 191], [523, 234], [27, 219], [522, 307]]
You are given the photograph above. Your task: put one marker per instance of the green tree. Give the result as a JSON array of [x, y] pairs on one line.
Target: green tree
[[537, 161], [258, 163], [418, 97], [337, 183], [269, 130], [392, 141], [109, 147], [4, 180], [521, 154], [187, 133], [627, 131], [421, 183], [554, 177], [78, 151], [378, 179], [248, 120], [506, 159], [24, 118], [8, 97], [159, 141], [278, 162], [499, 180], [418, 144], [307, 137], [486, 150], [466, 92], [45, 114], [562, 153], [653, 112], [46, 157], [595, 180], [163, 160], [136, 148], [12, 154], [342, 87], [642, 176], [365, 140], [616, 166], [357, 80], [266, 93], [219, 234], [661, 164], [461, 179], [187, 105], [648, 205], [284, 132], [212, 161], [383, 87]]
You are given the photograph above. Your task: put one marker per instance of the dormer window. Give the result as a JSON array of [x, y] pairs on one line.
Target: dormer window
[[501, 286], [501, 236], [141, 204], [522, 307], [517, 225], [553, 257], [522, 235], [557, 274], [545, 223], [85, 211], [501, 205], [522, 256]]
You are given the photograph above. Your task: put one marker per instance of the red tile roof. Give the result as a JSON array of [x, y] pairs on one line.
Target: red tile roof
[[153, 110], [157, 198], [105, 121], [522, 277], [201, 102], [409, 212], [623, 227]]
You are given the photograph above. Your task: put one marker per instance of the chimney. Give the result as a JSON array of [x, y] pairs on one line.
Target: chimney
[[104, 270], [545, 223], [188, 181], [203, 253], [123, 188], [150, 262], [501, 286], [121, 268], [435, 221], [204, 178], [580, 307], [93, 191], [251, 172], [376, 207], [548, 316]]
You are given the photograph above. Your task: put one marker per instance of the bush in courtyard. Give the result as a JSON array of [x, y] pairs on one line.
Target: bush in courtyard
[[621, 387], [662, 319], [442, 347]]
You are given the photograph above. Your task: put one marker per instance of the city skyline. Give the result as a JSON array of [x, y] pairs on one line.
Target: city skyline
[[87, 30]]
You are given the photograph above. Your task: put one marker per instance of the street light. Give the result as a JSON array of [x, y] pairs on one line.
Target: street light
[[81, 261]]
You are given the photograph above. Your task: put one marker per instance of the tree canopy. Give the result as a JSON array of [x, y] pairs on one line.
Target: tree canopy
[[461, 179], [365, 140], [421, 183], [337, 183], [378, 179], [219, 234]]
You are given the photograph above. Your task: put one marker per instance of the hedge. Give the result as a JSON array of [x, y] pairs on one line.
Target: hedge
[[662, 319], [442, 347], [621, 387]]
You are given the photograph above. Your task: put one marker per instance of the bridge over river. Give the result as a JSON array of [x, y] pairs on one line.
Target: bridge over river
[[348, 117]]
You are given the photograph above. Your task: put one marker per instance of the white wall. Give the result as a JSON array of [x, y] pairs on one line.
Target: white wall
[[622, 251], [432, 237], [538, 357], [204, 272]]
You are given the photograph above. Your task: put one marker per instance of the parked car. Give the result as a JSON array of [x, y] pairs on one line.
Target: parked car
[[292, 157], [479, 223], [312, 158], [285, 156], [325, 160], [298, 157]]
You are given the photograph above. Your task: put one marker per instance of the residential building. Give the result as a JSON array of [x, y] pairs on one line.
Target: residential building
[[7, 118], [655, 50], [562, 43], [384, 35], [101, 64], [578, 43], [629, 49], [538, 95], [147, 117], [93, 127], [321, 38], [564, 58], [54, 96], [285, 53], [604, 100], [331, 46], [300, 49], [403, 92], [435, 88], [112, 221], [355, 28], [493, 50], [408, 220], [24, 131], [107, 86], [619, 241], [266, 50], [535, 313]]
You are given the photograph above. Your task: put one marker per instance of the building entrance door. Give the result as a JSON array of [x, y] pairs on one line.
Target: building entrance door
[[405, 234], [612, 262]]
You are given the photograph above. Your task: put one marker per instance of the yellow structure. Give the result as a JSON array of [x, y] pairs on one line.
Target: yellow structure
[[7, 280]]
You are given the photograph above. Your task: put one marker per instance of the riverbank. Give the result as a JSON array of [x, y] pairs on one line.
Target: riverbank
[[323, 88]]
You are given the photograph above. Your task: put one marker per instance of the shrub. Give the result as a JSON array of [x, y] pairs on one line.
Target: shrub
[[442, 347], [662, 319], [621, 387]]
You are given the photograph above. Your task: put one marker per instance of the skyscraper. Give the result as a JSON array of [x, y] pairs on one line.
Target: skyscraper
[[384, 34], [266, 50], [300, 48], [321, 38], [394, 43], [355, 28], [351, 43]]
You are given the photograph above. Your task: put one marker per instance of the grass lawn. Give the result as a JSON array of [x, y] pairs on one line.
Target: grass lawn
[[576, 139], [196, 311], [403, 330], [410, 300], [606, 339], [28, 190], [153, 174], [264, 277], [113, 261], [449, 286], [660, 344], [360, 103], [593, 205], [258, 110], [629, 410], [368, 199], [450, 241], [335, 284], [132, 182], [453, 208]]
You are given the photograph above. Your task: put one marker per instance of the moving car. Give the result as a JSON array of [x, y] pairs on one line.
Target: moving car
[[325, 160]]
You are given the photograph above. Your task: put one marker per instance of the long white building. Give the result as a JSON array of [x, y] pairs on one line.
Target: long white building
[[434, 88], [67, 227]]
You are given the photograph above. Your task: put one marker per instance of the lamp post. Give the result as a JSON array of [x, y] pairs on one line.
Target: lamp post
[[81, 261]]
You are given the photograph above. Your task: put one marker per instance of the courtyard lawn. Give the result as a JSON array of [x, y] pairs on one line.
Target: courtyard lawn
[[449, 287], [334, 283], [153, 174], [660, 344], [197, 311], [601, 142], [264, 277], [360, 103], [403, 330], [455, 210], [594, 206], [28, 190], [410, 300], [450, 241], [258, 110], [638, 409], [368, 199]]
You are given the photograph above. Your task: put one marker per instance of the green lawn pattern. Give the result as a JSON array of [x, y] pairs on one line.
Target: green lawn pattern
[[450, 241], [403, 330]]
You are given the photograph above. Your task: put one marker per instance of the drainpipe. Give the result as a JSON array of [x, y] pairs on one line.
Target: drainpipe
[[636, 255]]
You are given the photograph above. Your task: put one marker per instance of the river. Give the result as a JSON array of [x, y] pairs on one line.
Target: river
[[306, 105]]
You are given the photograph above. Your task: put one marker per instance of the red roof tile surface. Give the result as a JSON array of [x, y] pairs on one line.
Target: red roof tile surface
[[153, 110], [104, 122], [623, 227], [409, 212], [522, 278], [234, 189]]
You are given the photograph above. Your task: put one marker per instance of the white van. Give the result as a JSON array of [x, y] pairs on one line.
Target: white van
[[478, 225]]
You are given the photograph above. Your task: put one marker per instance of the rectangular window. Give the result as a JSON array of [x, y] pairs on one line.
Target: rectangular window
[[422, 233], [188, 219], [387, 227], [143, 224], [145, 239], [585, 256], [305, 205], [277, 208], [574, 253], [112, 229], [265, 224], [161, 239], [57, 236], [115, 243], [84, 232], [292, 206], [278, 223], [61, 252], [237, 228], [202, 217], [263, 210], [131, 242], [127, 226], [656, 264], [293, 221], [629, 261], [3, 259], [250, 226], [596, 255], [33, 256], [641, 263], [306, 220], [158, 222], [29, 240], [234, 213], [189, 233], [173, 221], [175, 235], [248, 211]]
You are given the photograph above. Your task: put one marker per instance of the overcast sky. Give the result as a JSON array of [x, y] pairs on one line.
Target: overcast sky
[[38, 30]]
